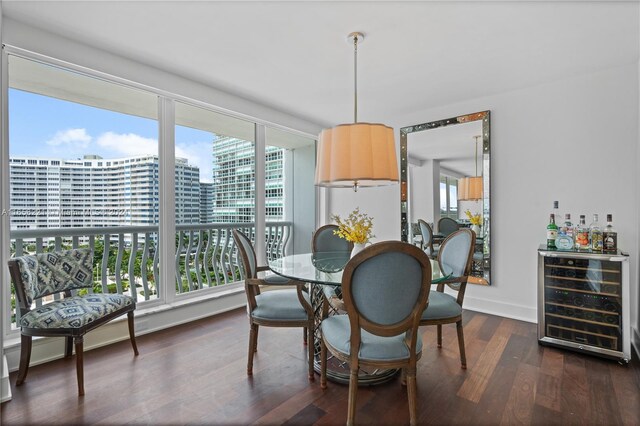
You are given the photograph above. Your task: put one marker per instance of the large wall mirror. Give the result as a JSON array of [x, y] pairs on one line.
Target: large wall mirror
[[445, 177]]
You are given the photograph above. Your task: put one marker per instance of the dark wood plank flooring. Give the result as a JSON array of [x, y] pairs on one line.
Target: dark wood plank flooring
[[195, 374]]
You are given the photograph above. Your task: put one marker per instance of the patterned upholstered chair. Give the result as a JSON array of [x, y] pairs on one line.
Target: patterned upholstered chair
[[275, 308], [454, 258], [385, 289], [35, 277], [446, 226], [324, 240]]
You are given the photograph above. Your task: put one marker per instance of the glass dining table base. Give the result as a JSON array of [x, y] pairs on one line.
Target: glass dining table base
[[337, 370]]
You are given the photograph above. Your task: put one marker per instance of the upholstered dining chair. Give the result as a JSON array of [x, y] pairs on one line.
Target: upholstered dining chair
[[446, 226], [454, 258], [323, 240], [385, 289], [286, 307], [45, 274], [427, 238]]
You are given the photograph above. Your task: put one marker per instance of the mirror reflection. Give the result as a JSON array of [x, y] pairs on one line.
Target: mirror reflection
[[445, 175]]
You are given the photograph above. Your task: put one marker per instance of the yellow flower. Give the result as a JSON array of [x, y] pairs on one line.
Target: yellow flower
[[356, 228], [475, 219]]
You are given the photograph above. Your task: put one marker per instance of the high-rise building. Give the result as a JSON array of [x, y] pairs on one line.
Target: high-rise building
[[206, 202], [96, 192], [234, 180]]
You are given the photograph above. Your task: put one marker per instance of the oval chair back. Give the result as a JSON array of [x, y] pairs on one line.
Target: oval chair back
[[427, 236], [456, 254], [446, 226], [324, 239]]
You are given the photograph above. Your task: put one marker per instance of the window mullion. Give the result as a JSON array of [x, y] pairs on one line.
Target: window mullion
[[260, 210], [167, 225]]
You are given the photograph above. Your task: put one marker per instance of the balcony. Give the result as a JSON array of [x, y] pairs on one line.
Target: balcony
[[126, 259]]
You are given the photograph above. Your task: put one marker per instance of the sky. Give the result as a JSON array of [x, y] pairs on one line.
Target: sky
[[41, 126]]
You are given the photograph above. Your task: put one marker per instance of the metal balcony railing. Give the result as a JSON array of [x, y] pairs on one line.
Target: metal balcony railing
[[126, 257]]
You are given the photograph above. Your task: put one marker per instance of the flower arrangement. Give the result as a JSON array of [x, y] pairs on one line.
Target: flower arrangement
[[475, 219], [356, 227]]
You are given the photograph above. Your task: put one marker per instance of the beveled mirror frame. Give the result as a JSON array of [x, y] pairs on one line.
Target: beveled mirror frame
[[486, 181]]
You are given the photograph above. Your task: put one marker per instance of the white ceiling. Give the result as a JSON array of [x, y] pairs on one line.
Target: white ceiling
[[293, 56]]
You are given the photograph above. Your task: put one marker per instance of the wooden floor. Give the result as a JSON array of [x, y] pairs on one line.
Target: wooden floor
[[195, 374]]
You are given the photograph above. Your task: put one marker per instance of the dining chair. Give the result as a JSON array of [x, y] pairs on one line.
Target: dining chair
[[324, 239], [454, 258], [285, 307], [385, 289], [427, 238], [74, 315], [446, 226]]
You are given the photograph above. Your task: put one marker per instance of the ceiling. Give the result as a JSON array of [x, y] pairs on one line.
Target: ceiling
[[293, 56]]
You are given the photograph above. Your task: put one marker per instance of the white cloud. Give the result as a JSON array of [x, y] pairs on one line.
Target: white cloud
[[127, 144], [75, 138]]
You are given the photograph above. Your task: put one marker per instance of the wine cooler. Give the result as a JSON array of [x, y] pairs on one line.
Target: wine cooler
[[583, 302]]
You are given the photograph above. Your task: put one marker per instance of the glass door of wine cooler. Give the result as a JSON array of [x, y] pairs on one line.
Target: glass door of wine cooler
[[582, 299]]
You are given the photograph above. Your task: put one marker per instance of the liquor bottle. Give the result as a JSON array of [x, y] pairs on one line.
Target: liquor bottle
[[610, 237], [582, 235], [595, 234], [565, 239], [552, 232], [556, 210]]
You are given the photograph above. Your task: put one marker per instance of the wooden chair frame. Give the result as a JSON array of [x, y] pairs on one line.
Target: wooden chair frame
[[458, 284], [252, 289], [73, 336], [357, 322]]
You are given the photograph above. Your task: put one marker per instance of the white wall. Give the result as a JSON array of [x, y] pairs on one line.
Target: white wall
[[574, 140]]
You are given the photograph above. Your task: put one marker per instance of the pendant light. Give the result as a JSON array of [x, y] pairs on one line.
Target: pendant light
[[470, 188], [357, 154]]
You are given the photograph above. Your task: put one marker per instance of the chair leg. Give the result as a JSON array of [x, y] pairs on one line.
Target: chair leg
[[411, 395], [255, 342], [353, 390], [25, 357], [439, 335], [323, 365], [79, 365], [132, 333], [68, 346], [403, 377], [304, 335], [310, 350], [253, 336], [463, 357]]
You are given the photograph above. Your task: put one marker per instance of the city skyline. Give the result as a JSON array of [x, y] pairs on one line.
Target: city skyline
[[69, 130]]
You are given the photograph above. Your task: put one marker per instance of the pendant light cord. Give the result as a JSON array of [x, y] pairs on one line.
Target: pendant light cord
[[355, 78]]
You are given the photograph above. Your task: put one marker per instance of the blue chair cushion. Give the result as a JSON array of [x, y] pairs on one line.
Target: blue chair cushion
[[441, 305], [274, 279], [76, 311], [280, 305], [336, 330]]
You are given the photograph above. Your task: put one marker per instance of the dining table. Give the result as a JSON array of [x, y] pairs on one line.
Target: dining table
[[323, 273]]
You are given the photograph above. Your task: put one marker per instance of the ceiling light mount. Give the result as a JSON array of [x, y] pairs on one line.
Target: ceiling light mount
[[355, 37]]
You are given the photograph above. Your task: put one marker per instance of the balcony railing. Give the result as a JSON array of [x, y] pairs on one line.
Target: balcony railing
[[126, 257]]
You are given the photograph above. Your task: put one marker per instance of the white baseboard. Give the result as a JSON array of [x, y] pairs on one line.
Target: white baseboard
[[508, 310], [635, 341], [157, 318], [5, 387]]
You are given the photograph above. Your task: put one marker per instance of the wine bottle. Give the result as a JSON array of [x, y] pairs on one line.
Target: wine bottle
[[582, 235], [610, 236], [552, 232], [595, 234]]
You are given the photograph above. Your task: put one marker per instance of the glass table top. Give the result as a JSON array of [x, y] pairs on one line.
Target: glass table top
[[324, 267]]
